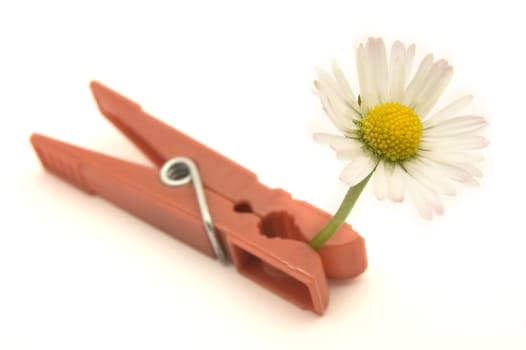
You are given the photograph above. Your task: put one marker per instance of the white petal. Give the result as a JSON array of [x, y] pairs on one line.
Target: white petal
[[345, 88], [380, 182], [453, 172], [397, 74], [323, 137], [456, 125], [397, 182], [380, 69], [430, 176], [415, 86], [409, 58], [430, 95], [343, 100], [337, 142], [345, 112], [449, 110], [348, 153], [436, 75], [372, 98], [454, 156], [421, 205], [325, 79], [328, 88], [366, 83], [471, 182], [342, 116], [433, 199], [426, 201], [437, 70], [356, 171], [471, 169], [453, 143], [343, 125]]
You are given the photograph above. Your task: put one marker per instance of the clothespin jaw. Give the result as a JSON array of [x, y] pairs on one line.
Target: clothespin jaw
[[264, 231]]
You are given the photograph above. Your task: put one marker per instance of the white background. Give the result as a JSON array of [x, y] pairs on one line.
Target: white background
[[78, 273]]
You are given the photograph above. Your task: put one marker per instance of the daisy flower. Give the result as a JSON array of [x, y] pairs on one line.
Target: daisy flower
[[389, 133]]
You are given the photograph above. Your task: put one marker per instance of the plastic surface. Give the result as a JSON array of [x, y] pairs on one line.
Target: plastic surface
[[264, 231]]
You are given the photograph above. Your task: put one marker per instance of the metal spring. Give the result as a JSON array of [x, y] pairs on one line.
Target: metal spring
[[180, 171]]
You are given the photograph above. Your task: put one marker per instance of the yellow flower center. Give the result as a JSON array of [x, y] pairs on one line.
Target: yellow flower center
[[392, 131]]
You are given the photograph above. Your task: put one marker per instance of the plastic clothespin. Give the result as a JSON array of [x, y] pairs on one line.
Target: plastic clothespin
[[263, 231]]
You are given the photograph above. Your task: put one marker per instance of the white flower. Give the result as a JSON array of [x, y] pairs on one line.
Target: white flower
[[387, 128]]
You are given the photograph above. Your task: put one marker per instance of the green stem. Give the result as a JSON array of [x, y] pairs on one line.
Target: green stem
[[339, 218]]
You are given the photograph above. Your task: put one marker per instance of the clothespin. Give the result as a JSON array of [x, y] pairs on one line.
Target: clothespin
[[227, 213]]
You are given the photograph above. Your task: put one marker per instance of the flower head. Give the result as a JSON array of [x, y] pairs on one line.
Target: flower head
[[388, 128]]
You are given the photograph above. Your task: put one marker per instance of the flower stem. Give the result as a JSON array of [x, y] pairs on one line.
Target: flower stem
[[339, 218]]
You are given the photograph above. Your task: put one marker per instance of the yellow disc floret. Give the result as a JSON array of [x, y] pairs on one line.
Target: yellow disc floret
[[392, 131]]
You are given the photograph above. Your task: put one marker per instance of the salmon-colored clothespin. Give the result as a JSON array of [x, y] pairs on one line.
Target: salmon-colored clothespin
[[226, 214]]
